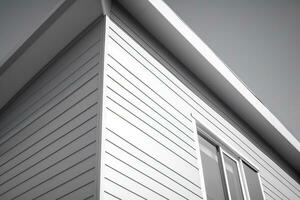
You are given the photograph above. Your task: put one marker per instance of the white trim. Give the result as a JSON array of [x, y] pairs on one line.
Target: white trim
[[225, 173], [198, 155], [216, 62], [258, 175], [244, 180], [104, 102], [209, 127], [240, 174]]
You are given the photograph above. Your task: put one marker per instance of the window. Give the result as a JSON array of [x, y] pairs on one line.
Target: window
[[253, 182], [226, 175], [211, 169]]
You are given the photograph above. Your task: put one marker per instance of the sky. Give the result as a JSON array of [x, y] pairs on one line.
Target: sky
[[259, 41]]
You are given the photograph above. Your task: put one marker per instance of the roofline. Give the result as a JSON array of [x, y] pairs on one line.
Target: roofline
[[224, 70]]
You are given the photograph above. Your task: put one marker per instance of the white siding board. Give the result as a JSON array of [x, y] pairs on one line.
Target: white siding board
[[146, 84], [116, 77], [39, 141], [153, 124], [33, 167], [120, 92], [162, 93], [58, 106], [141, 187], [144, 171], [117, 188], [36, 163], [145, 138], [152, 162]]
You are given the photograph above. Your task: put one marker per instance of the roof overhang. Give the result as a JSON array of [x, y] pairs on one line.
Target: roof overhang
[[58, 29], [178, 38]]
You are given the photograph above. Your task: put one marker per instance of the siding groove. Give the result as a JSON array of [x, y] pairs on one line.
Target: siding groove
[[130, 191], [33, 145], [43, 90], [129, 63], [22, 170], [76, 190], [122, 161], [131, 88], [44, 148], [112, 195], [65, 182], [117, 95], [148, 134], [147, 91], [48, 97], [61, 103], [136, 181], [154, 127], [159, 76], [142, 154]]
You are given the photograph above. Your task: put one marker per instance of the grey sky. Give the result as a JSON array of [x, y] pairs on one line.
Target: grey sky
[[259, 41]]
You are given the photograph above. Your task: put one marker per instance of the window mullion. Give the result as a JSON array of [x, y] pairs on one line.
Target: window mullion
[[260, 183], [224, 174], [244, 182]]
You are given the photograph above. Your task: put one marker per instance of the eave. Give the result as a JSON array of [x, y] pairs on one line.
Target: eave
[[58, 29]]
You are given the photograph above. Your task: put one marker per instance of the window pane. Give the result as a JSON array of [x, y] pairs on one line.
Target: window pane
[[211, 170], [253, 183], [233, 179]]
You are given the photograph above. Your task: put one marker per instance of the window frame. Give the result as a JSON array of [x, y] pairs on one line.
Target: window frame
[[224, 148]]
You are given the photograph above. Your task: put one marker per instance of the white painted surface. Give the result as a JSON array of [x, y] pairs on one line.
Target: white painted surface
[[149, 143]]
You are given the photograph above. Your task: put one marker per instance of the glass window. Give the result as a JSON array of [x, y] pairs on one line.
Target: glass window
[[233, 178], [211, 170], [253, 183], [225, 173]]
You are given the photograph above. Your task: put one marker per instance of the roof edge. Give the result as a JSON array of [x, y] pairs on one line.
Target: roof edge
[[223, 69]]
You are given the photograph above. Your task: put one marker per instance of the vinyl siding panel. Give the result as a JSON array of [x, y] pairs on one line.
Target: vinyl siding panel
[[149, 147], [49, 134]]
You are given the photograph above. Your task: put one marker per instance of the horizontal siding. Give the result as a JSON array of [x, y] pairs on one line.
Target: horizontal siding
[[149, 148], [48, 135]]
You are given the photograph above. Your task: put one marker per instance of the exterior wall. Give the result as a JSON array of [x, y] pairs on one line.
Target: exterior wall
[[149, 143], [49, 134]]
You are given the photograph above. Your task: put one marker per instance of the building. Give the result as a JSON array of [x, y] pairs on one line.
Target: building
[[121, 100]]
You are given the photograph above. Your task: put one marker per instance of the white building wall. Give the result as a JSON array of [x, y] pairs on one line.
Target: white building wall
[[149, 146]]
